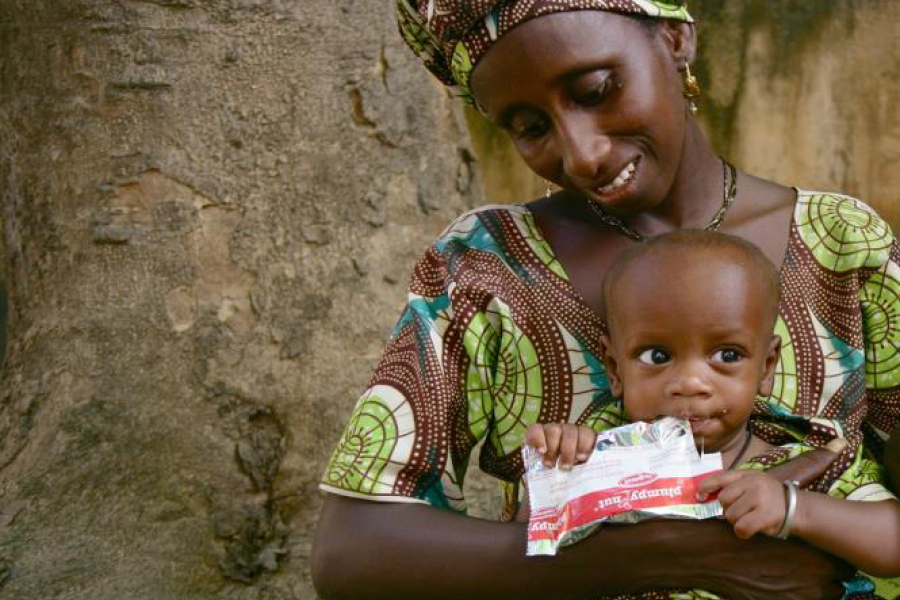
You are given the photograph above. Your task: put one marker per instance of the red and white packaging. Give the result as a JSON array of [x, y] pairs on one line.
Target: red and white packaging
[[636, 472]]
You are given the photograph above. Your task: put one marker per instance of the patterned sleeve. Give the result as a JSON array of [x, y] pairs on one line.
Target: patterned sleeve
[[880, 301], [839, 323], [429, 402]]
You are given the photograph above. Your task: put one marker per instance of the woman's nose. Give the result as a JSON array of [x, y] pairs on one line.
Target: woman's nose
[[584, 149]]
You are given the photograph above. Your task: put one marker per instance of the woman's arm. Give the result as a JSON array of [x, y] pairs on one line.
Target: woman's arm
[[808, 467], [372, 551], [866, 534]]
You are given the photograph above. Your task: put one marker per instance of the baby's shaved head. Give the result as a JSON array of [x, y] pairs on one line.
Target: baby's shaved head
[[694, 249]]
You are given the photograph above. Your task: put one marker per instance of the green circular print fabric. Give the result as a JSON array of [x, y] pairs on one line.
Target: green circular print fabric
[[517, 385], [843, 233], [373, 439], [494, 338], [880, 300], [784, 388]]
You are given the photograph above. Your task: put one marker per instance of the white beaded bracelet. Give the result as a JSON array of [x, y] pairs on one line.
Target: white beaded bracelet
[[790, 499]]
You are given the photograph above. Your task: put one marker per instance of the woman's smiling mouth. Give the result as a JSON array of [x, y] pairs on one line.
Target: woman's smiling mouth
[[619, 181]]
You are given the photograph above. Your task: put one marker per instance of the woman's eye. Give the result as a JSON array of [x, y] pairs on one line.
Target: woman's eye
[[596, 95], [530, 133], [528, 130], [595, 92], [654, 356], [729, 355]]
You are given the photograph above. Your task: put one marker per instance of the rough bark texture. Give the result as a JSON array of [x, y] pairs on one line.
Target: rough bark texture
[[210, 209], [805, 93]]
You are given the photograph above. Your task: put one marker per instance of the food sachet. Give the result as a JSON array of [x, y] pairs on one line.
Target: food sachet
[[636, 472]]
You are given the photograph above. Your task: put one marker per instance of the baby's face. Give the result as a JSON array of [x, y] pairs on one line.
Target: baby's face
[[690, 337]]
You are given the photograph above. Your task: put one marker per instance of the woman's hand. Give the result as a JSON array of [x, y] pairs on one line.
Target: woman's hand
[[754, 502], [761, 568], [808, 467]]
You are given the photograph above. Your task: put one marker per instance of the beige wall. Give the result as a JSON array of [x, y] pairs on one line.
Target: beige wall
[[806, 93]]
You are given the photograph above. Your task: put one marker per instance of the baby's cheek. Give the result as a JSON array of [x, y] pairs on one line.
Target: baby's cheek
[[642, 404]]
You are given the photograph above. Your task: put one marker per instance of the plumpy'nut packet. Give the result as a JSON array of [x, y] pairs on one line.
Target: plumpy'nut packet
[[636, 472]]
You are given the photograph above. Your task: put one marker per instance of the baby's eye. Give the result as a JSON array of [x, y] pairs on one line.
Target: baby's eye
[[654, 356], [728, 355]]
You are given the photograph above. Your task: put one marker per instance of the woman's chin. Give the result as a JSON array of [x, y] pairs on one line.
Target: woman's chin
[[624, 203]]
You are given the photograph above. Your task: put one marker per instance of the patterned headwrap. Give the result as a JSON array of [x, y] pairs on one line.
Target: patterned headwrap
[[450, 36]]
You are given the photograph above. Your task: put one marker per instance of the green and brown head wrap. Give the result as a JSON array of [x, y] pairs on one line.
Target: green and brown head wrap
[[450, 36]]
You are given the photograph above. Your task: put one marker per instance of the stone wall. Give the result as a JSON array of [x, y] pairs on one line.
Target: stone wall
[[209, 211]]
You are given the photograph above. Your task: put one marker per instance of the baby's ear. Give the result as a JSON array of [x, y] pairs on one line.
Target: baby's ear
[[612, 367], [767, 377]]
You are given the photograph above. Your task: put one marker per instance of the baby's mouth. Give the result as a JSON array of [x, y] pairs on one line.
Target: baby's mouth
[[701, 425]]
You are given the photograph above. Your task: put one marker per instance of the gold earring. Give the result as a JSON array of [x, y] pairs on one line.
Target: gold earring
[[691, 88], [549, 189]]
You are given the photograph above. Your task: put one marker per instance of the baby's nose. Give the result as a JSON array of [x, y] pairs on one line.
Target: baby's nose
[[689, 382]]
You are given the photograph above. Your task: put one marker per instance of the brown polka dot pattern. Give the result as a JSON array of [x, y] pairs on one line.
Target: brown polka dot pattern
[[490, 267]]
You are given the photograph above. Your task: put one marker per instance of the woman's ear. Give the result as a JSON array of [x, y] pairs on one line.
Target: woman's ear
[[612, 367], [767, 377], [680, 39]]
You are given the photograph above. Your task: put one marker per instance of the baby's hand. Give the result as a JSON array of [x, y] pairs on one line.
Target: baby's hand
[[570, 444], [754, 502]]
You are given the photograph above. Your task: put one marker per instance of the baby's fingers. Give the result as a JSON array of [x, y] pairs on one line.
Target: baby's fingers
[[749, 525], [552, 437], [568, 446], [737, 506], [586, 439], [715, 482], [534, 437]]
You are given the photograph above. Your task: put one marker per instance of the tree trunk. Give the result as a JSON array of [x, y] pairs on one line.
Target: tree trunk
[[209, 210]]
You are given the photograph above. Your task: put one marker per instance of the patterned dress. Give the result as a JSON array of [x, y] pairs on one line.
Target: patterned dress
[[495, 338]]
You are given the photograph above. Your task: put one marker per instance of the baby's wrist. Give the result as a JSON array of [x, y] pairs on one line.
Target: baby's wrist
[[801, 519]]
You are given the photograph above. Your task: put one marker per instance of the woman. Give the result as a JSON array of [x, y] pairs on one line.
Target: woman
[[503, 323]]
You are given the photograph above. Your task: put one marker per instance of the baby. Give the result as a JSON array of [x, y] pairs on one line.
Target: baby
[[690, 317]]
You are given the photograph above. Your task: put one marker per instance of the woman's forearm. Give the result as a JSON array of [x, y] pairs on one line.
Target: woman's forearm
[[368, 551], [372, 551], [866, 534]]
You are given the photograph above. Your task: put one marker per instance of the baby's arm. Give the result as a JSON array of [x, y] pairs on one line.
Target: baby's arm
[[865, 534]]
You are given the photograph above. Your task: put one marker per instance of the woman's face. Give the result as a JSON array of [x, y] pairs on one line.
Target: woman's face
[[593, 102]]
